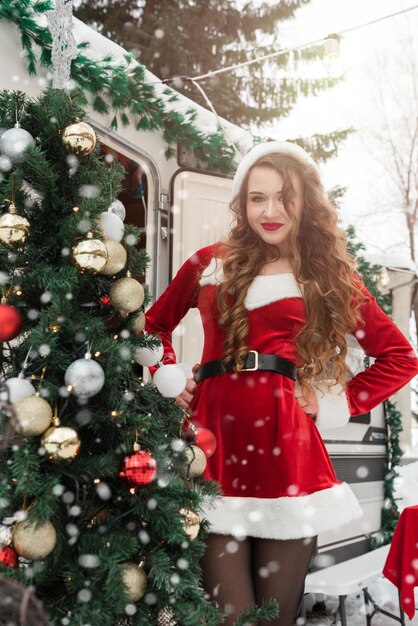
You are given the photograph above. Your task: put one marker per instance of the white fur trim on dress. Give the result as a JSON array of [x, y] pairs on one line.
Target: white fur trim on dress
[[213, 274], [263, 290], [334, 410], [266, 289], [283, 518]]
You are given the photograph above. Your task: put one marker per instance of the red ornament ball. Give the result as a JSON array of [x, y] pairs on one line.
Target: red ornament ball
[[205, 440], [8, 556], [11, 322], [105, 300], [139, 468]]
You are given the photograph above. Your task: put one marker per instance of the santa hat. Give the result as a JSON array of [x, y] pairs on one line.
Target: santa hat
[[262, 149]]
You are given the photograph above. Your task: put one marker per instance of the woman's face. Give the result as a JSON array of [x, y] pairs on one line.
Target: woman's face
[[266, 213]]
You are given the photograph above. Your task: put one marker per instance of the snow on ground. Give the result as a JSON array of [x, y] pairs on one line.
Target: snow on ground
[[382, 591]]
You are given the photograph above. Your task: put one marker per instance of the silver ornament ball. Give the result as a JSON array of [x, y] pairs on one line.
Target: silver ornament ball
[[13, 144], [85, 377]]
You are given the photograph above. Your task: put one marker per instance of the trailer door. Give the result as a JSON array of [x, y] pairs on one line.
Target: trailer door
[[199, 216]]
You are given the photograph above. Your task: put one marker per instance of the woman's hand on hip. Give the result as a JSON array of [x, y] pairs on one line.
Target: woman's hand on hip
[[308, 401], [183, 400]]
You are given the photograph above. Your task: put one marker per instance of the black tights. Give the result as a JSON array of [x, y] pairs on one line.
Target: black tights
[[239, 573]]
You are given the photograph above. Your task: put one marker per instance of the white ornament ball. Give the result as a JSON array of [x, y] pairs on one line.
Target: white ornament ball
[[170, 380], [5, 163], [14, 142], [186, 369], [149, 356], [86, 378], [112, 226], [126, 295], [18, 388], [34, 415], [116, 258], [118, 209], [34, 542], [135, 580]]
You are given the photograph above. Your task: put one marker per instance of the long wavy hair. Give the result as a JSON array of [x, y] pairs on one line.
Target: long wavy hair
[[321, 266]]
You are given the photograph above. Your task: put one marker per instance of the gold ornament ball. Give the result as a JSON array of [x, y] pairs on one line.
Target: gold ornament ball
[[195, 464], [61, 443], [126, 295], [32, 541], [116, 258], [90, 254], [135, 580], [191, 522], [34, 415], [13, 228], [79, 138], [138, 322]]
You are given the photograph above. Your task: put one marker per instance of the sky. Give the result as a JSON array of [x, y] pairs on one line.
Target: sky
[[373, 57]]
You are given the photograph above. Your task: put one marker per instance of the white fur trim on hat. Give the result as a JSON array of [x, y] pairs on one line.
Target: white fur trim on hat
[[262, 149]]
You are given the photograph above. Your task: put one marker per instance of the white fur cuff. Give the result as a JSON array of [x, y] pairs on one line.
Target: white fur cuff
[[334, 410]]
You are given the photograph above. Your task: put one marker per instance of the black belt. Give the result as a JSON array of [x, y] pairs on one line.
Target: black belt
[[254, 361]]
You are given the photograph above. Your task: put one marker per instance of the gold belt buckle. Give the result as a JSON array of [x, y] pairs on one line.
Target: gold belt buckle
[[252, 369]]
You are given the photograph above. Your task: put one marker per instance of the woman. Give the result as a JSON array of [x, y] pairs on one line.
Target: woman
[[277, 299]]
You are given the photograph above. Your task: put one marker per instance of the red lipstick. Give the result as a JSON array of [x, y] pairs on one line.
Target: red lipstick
[[271, 225]]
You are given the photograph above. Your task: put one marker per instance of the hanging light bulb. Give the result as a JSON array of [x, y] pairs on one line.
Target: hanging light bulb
[[384, 280], [333, 61]]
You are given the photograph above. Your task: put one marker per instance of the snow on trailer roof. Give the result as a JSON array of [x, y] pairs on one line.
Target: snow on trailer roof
[[399, 261], [100, 46]]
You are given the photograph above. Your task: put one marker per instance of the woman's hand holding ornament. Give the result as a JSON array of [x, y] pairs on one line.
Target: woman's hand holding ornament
[[183, 400]]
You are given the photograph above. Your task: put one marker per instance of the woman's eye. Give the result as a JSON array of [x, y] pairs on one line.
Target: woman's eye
[[257, 198]]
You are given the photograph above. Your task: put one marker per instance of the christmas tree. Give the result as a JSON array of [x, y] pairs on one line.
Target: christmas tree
[[99, 492]]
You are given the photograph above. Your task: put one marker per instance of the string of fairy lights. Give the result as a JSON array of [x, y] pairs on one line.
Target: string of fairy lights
[[330, 41], [333, 62]]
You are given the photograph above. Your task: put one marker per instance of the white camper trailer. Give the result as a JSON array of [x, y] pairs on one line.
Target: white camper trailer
[[180, 209]]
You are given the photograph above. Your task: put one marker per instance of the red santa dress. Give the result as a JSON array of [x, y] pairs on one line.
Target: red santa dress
[[276, 477]]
